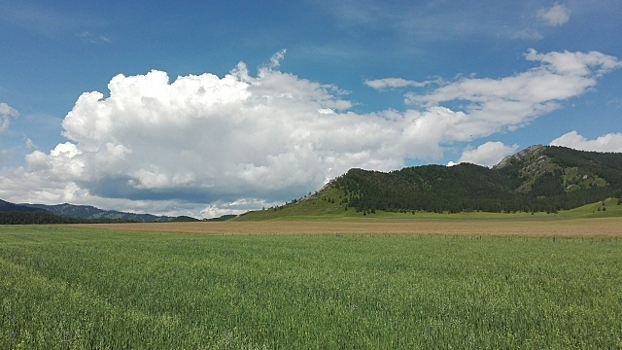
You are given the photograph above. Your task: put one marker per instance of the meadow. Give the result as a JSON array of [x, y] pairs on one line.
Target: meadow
[[313, 285]]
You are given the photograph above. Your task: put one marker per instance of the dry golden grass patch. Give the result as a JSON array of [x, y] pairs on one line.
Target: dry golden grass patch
[[545, 227]]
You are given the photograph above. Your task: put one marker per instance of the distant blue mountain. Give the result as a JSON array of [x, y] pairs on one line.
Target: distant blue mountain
[[8, 207], [93, 213]]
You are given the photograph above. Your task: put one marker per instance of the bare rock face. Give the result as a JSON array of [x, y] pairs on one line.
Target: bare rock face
[[534, 164], [524, 154]]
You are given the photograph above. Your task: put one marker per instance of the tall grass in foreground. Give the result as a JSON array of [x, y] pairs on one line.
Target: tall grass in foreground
[[63, 289]]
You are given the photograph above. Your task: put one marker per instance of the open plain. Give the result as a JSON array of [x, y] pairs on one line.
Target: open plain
[[496, 227], [366, 284]]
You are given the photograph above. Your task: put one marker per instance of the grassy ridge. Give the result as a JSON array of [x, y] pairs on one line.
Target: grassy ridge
[[63, 288], [320, 208], [605, 209]]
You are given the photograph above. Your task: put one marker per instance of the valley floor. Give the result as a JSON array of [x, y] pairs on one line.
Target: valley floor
[[497, 227], [468, 285]]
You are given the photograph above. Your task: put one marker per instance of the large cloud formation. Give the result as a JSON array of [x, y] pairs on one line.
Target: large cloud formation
[[241, 141]]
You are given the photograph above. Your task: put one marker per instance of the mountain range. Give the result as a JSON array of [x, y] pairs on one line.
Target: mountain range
[[92, 213], [70, 213]]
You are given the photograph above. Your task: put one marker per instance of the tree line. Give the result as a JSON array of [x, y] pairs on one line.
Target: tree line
[[44, 218]]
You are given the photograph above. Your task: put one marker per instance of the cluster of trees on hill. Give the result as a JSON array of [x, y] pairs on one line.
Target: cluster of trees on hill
[[469, 187], [606, 165]]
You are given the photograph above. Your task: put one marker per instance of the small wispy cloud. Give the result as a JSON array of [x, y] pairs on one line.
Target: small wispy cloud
[[616, 102], [393, 83], [50, 22], [87, 37], [528, 34], [6, 112], [555, 16], [41, 20], [29, 144]]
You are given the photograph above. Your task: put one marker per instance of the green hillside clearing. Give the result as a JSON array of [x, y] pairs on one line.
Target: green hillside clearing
[[322, 208]]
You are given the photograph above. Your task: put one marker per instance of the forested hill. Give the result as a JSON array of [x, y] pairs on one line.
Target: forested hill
[[539, 178]]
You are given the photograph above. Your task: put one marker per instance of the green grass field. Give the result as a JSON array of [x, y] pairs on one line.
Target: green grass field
[[89, 288]]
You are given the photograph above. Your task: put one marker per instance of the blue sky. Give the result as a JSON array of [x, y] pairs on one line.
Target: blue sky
[[211, 108]]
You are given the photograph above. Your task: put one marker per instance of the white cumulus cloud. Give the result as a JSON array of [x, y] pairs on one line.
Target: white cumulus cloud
[[606, 143], [555, 16], [488, 154]]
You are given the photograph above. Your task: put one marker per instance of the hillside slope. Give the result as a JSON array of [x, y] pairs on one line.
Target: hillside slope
[[537, 179]]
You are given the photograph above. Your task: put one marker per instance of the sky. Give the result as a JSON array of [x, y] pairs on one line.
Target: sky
[[219, 107]]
